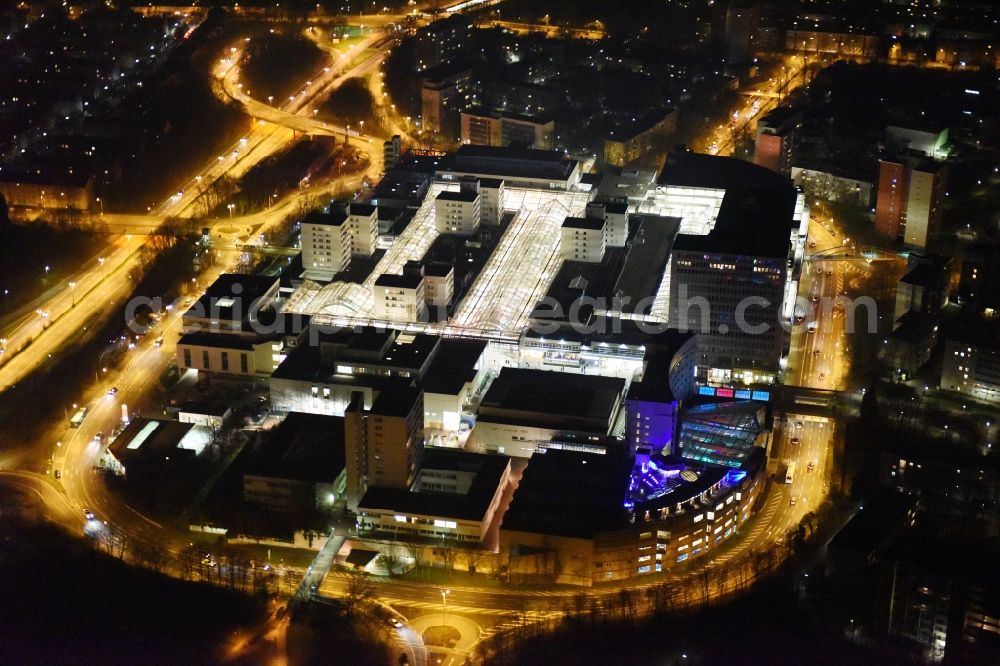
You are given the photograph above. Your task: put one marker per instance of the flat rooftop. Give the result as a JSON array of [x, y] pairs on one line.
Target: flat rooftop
[[489, 471], [454, 366], [757, 210], [465, 196], [232, 294], [156, 440], [570, 494], [303, 447], [549, 394], [633, 273], [513, 162]]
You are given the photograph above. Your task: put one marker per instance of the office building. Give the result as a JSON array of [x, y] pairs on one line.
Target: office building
[[320, 377], [615, 216], [458, 498], [439, 284], [743, 268], [299, 465], [517, 167], [581, 518], [928, 141], [577, 409]]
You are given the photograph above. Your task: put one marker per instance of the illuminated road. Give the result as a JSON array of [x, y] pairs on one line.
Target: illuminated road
[[758, 100], [28, 324]]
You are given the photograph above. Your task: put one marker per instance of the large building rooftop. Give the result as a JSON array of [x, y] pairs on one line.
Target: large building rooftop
[[571, 494], [756, 217], [519, 392], [304, 447], [489, 471]]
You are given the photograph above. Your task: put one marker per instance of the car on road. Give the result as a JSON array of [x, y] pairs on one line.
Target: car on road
[[812, 244], [113, 390], [795, 441], [812, 328], [158, 342], [822, 376], [816, 352], [798, 424], [58, 473], [89, 514], [394, 622], [792, 500], [811, 466], [815, 299]]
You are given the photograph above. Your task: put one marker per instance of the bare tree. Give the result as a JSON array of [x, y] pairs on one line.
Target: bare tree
[[360, 592]]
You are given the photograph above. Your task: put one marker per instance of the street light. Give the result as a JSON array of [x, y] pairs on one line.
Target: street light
[[444, 606]]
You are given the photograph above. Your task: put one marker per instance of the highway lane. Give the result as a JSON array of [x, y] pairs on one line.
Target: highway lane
[[71, 291]]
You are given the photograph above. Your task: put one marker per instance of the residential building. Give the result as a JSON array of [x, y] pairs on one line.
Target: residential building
[[400, 297], [583, 239], [491, 208], [925, 286], [326, 244], [392, 150], [362, 225], [500, 128], [824, 181], [459, 212], [446, 89], [37, 189], [776, 141], [971, 363], [384, 446], [634, 140], [910, 200], [979, 285], [831, 39]]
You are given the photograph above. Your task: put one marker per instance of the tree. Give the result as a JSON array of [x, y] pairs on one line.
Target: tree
[[389, 558], [360, 592]]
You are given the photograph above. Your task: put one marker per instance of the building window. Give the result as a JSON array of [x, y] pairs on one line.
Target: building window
[[225, 361], [244, 364], [187, 358], [204, 359]]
